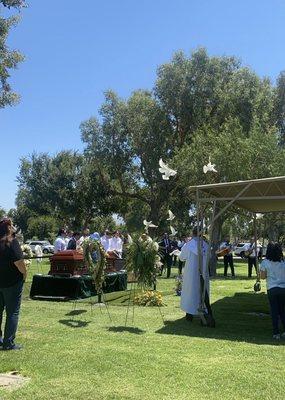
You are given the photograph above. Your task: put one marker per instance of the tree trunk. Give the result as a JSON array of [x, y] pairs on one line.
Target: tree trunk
[[216, 237]]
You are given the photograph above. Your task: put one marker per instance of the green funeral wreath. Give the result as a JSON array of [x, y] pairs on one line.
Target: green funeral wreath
[[95, 259]]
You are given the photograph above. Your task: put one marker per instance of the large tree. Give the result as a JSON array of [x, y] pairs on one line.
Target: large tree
[[64, 186], [191, 94], [9, 59]]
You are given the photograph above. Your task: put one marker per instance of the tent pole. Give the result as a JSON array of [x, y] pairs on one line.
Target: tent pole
[[255, 245], [200, 261]]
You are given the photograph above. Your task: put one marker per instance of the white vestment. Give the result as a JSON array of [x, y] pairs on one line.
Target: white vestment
[[190, 295]]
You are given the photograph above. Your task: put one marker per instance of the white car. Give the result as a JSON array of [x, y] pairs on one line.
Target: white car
[[241, 248], [47, 248]]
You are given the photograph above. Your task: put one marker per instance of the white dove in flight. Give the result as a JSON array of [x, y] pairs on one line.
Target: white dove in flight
[[166, 171], [173, 231], [148, 224], [209, 167], [171, 216]]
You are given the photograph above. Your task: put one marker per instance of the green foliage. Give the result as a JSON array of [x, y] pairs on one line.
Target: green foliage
[[279, 106], [9, 59], [2, 212], [42, 227], [95, 259], [142, 259], [200, 106], [65, 186]]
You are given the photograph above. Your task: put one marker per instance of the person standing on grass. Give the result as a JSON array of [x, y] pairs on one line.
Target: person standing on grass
[[13, 273], [60, 243], [72, 244], [191, 286], [166, 247], [272, 269], [228, 257], [251, 259]]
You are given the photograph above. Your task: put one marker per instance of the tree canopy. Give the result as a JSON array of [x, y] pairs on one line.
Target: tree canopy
[[200, 107], [9, 59]]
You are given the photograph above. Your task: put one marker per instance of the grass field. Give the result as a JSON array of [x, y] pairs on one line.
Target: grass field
[[82, 354]]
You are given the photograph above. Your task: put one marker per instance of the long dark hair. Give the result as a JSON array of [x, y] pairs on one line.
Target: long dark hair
[[274, 252], [5, 237]]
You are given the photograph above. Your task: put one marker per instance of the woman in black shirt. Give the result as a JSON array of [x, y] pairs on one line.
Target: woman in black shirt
[[12, 275]]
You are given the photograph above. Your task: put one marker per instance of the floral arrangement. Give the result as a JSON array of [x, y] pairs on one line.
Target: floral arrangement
[[27, 252], [149, 298], [143, 260], [178, 287], [95, 260]]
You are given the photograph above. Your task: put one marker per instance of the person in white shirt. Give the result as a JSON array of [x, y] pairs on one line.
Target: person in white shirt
[[116, 244], [273, 270], [39, 253], [60, 243], [251, 260], [105, 240]]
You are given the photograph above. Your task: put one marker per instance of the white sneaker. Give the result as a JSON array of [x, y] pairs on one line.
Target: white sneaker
[[282, 335], [276, 337]]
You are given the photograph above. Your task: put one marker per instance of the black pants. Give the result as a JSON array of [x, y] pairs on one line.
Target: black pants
[[276, 297], [251, 261], [167, 260], [180, 266], [228, 261]]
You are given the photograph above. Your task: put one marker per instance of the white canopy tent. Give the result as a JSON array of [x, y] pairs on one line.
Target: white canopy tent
[[256, 195]]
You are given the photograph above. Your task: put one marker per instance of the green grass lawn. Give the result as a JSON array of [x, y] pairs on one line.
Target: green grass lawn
[[79, 354]]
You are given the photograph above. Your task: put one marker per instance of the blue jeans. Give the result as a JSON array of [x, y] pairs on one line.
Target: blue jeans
[[276, 297], [10, 300]]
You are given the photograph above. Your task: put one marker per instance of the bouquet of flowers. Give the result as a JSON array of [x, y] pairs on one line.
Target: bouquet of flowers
[[143, 260], [178, 287], [149, 298], [95, 260], [27, 252]]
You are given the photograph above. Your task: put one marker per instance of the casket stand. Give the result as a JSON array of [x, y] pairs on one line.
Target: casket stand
[[68, 278]]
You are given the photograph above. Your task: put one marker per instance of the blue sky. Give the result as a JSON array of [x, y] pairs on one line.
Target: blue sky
[[77, 50]]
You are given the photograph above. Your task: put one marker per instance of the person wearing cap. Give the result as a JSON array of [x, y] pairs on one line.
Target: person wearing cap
[[13, 273], [60, 243]]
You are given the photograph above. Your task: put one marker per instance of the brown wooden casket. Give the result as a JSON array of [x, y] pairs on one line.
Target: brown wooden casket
[[67, 263]]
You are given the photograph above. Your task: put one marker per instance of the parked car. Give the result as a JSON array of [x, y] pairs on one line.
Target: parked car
[[242, 247], [47, 248]]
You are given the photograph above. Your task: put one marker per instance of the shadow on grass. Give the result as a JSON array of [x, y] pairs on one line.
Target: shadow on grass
[[76, 312], [243, 317], [130, 329], [74, 323]]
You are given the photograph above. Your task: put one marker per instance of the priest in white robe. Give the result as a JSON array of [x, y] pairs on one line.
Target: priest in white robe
[[190, 295]]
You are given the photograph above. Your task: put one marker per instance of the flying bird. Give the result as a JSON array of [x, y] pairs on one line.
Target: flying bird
[[148, 224], [209, 167], [175, 252], [166, 171], [173, 231], [171, 216]]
